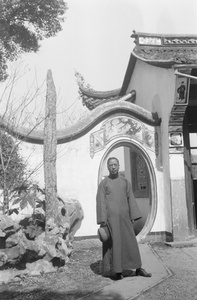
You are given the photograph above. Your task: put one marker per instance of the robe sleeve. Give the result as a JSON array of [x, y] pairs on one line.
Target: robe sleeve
[[101, 209], [134, 211]]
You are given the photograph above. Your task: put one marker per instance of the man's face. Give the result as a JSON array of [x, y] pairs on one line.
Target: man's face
[[113, 166]]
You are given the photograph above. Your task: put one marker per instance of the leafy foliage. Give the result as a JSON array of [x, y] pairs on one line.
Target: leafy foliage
[[34, 196], [27, 194], [12, 167], [24, 23]]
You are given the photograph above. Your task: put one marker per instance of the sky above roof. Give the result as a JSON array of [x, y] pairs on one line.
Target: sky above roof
[[96, 42]]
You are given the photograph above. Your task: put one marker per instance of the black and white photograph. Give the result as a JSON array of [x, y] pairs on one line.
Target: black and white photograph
[[98, 150]]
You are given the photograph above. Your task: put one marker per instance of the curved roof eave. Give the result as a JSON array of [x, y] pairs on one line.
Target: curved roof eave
[[161, 50], [168, 63], [91, 119], [99, 94]]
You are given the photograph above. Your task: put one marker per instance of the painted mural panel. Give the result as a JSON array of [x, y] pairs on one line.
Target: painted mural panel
[[97, 141], [121, 126]]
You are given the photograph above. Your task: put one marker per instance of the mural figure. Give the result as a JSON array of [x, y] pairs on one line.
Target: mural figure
[[181, 93], [117, 210]]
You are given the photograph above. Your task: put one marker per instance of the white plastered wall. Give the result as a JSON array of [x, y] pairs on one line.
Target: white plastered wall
[[155, 88], [78, 175]]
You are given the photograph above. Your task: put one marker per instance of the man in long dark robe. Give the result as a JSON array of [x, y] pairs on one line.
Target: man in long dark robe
[[117, 209]]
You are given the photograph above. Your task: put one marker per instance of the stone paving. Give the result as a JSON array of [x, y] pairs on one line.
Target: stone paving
[[173, 267], [131, 287], [174, 275]]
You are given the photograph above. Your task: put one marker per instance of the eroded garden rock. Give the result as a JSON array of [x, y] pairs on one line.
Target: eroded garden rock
[[73, 211], [13, 254], [39, 267], [8, 226], [3, 258], [2, 234], [11, 275], [31, 243], [14, 239], [6, 222]]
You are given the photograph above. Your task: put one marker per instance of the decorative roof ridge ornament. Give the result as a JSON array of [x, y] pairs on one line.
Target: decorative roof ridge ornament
[[92, 98], [137, 33], [81, 81], [164, 40], [165, 50]]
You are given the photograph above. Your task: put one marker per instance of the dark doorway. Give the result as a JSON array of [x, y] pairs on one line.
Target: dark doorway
[[190, 132], [134, 163], [190, 142]]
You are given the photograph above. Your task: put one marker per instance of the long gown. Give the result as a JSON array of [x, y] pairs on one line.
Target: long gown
[[116, 206]]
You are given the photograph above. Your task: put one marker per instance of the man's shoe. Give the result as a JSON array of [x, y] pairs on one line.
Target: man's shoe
[[118, 276], [142, 272]]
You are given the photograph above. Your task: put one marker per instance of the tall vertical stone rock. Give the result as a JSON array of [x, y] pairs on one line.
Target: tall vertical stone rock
[[50, 150]]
